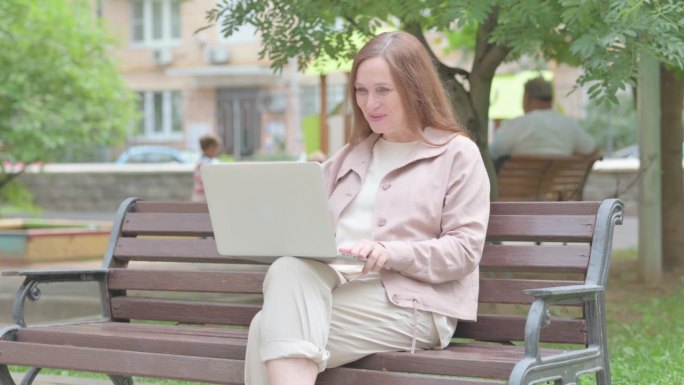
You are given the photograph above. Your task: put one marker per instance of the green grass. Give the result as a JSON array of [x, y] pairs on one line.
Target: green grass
[[649, 351]]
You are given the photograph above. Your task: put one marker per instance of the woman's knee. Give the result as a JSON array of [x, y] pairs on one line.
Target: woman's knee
[[286, 264], [292, 269], [284, 268]]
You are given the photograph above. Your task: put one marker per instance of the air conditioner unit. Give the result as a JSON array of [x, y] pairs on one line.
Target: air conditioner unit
[[162, 56], [218, 55]]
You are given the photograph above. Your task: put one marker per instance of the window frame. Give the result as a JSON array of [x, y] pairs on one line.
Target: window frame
[[147, 22], [172, 124]]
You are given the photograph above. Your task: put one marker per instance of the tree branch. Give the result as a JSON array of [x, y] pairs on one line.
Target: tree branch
[[7, 177], [444, 70], [488, 56]]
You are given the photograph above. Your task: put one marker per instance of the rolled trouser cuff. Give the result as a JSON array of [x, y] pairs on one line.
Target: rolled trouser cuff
[[291, 348]]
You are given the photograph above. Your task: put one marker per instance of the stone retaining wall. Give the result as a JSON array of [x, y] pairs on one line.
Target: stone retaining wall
[[101, 187]]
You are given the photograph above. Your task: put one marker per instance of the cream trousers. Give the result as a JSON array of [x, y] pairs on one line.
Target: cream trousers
[[308, 312]]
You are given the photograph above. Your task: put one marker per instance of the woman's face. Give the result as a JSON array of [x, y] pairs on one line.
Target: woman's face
[[380, 102]]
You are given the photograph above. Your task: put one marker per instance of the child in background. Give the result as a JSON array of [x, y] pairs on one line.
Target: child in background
[[211, 147]]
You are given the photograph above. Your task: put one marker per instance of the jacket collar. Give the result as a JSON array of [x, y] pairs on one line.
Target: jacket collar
[[359, 157]]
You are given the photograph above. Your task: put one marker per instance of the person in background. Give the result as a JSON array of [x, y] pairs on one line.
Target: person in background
[[409, 198], [210, 145], [542, 130]]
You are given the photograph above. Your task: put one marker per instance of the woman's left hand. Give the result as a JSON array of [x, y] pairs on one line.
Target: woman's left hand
[[374, 253]]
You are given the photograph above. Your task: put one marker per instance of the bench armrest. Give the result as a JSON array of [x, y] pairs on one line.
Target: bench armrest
[[59, 275], [563, 293], [29, 288], [538, 316]]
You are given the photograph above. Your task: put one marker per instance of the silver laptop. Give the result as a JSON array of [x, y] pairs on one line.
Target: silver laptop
[[264, 210]]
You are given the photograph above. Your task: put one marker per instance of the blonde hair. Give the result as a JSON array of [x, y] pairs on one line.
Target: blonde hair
[[423, 96]]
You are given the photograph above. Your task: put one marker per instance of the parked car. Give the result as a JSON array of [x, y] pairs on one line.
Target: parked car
[[156, 154]]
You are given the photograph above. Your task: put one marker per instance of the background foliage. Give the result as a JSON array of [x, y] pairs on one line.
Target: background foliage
[[59, 89], [604, 36], [613, 127]]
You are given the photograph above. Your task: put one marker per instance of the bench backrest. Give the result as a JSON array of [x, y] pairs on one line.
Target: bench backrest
[[543, 178], [165, 267]]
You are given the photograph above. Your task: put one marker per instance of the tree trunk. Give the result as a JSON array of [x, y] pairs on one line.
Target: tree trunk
[[471, 103], [672, 104], [488, 57]]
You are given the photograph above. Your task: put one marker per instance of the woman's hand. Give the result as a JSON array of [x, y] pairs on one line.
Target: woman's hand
[[374, 253]]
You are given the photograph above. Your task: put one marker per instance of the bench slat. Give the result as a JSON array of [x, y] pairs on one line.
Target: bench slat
[[549, 258], [558, 228], [192, 312], [169, 207], [510, 291], [506, 291], [168, 249], [490, 361], [175, 224], [544, 208], [123, 362], [155, 339], [512, 328], [573, 258], [199, 281], [348, 376]]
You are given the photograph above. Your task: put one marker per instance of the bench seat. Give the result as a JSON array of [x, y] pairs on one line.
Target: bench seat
[[75, 346], [173, 307]]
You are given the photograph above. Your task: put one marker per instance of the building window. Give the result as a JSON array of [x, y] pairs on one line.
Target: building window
[[155, 22], [162, 115]]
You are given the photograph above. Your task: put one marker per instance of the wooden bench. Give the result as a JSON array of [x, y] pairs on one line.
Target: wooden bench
[[543, 178], [172, 307]]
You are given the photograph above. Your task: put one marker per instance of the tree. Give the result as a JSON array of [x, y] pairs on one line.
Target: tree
[[672, 104], [605, 37], [59, 87]]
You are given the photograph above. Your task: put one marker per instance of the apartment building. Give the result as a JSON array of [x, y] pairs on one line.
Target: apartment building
[[190, 83]]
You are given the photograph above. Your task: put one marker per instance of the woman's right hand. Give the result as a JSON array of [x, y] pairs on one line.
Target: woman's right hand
[[372, 252]]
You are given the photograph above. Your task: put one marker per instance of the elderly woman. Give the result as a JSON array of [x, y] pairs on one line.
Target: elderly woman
[[409, 196]]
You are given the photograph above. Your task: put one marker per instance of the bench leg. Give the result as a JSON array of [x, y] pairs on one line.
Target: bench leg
[[603, 377], [30, 376], [5, 377], [121, 380]]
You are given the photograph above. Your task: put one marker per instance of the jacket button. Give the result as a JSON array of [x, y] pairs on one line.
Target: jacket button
[[382, 221], [386, 185]]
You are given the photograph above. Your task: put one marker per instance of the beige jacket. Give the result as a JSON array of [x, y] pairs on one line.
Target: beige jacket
[[431, 214]]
